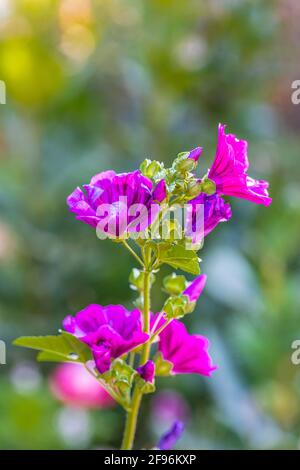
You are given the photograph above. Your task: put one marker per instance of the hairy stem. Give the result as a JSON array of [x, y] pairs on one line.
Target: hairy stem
[[132, 415], [133, 252], [131, 420], [157, 332]]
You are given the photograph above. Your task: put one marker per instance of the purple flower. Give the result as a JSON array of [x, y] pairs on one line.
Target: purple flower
[[195, 154], [169, 439], [194, 290], [229, 170], [147, 371], [204, 214], [188, 353], [118, 203], [109, 331]]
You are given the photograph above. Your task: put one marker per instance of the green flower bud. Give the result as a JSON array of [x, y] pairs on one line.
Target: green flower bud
[[184, 164], [136, 279], [175, 307], [194, 188], [150, 168], [208, 186], [174, 284]]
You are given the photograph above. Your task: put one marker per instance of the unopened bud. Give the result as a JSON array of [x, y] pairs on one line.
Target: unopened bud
[[194, 188], [185, 164], [150, 168], [208, 186]]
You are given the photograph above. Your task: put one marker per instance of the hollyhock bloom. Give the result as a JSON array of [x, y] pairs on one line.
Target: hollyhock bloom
[[147, 371], [229, 170], [194, 290], [118, 203], [109, 331], [195, 154], [73, 385], [187, 353], [169, 439], [204, 213]]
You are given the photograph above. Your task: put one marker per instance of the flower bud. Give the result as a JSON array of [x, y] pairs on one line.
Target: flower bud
[[136, 279], [175, 307], [194, 188], [184, 164], [208, 186], [174, 284], [150, 168], [195, 153]]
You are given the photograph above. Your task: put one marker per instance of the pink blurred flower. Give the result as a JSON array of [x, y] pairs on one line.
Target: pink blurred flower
[[73, 385], [168, 406]]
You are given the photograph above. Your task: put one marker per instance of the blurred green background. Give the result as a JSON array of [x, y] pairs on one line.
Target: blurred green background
[[93, 85]]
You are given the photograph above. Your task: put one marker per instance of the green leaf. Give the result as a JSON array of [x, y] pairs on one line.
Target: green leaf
[[179, 257], [62, 348], [44, 356]]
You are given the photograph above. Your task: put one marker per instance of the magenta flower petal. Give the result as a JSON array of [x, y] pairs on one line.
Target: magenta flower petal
[[147, 371], [102, 357], [160, 192], [204, 214], [116, 203], [195, 153], [194, 290], [188, 353], [109, 331], [105, 175], [229, 171]]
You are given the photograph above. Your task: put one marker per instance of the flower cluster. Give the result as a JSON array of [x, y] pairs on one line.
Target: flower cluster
[[128, 203], [112, 331], [125, 350], [226, 177]]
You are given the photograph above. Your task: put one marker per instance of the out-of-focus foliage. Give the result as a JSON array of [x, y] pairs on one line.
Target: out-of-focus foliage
[[101, 84]]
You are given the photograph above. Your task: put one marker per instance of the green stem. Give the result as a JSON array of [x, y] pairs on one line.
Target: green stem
[[133, 252], [146, 316], [131, 359], [157, 332], [132, 415], [131, 420]]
